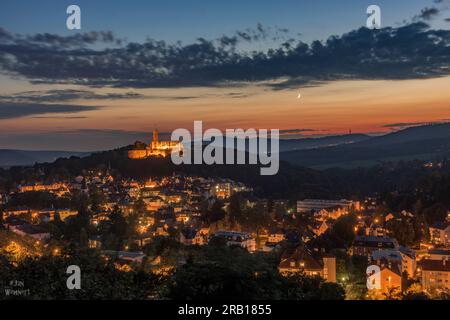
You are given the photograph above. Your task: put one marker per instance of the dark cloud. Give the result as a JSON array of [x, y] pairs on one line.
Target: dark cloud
[[5, 35], [295, 131], [79, 40], [250, 35], [428, 13], [237, 95], [447, 19], [227, 41], [233, 95], [65, 95], [409, 51], [59, 117], [403, 124], [260, 33], [17, 110]]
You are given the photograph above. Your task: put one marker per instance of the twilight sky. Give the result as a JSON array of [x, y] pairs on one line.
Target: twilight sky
[[135, 65]]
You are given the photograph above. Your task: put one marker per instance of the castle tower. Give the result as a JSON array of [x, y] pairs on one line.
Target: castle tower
[[155, 149]]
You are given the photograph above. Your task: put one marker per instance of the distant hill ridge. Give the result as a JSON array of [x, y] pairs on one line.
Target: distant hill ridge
[[10, 157], [422, 143], [417, 133], [320, 142]]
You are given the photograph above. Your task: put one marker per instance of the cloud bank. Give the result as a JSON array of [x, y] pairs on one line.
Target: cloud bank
[[64, 95], [406, 52], [17, 110]]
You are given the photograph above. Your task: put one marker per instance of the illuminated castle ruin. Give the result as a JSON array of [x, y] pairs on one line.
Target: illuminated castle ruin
[[155, 149]]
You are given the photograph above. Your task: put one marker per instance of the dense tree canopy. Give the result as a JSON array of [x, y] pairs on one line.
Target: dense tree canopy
[[46, 277], [220, 273]]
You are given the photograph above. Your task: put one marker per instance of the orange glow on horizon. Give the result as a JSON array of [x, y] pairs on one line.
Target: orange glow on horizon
[[335, 107]]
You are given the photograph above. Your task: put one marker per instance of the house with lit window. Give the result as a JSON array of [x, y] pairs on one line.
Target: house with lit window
[[438, 254], [128, 256], [404, 257], [302, 260], [235, 238], [201, 236], [435, 274], [275, 235], [321, 227], [386, 279], [95, 242], [365, 245], [222, 190], [334, 207], [440, 233], [375, 230]]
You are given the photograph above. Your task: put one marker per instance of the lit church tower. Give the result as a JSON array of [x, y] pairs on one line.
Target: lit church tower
[[155, 135]]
